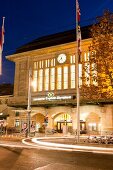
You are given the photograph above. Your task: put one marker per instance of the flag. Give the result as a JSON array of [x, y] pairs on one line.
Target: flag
[[78, 30], [79, 43], [1, 44], [78, 11]]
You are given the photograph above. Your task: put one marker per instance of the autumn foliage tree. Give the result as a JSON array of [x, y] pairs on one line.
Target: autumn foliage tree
[[101, 54]]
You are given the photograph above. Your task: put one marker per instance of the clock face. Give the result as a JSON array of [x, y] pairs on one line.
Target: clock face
[[61, 58]]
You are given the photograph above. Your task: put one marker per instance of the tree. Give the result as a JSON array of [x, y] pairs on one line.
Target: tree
[[101, 54]]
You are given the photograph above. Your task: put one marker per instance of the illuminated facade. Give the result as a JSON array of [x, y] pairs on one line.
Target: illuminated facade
[[53, 92]]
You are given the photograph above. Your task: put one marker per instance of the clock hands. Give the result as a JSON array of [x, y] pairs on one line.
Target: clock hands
[[61, 58]]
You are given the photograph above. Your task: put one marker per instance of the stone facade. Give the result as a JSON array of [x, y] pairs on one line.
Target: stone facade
[[58, 111]]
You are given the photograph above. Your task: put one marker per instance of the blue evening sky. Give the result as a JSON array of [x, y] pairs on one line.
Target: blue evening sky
[[26, 20]]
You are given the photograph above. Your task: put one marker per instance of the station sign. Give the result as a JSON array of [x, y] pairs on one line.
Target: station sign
[[51, 97]]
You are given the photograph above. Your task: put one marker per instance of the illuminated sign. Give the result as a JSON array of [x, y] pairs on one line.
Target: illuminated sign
[[52, 98], [50, 94]]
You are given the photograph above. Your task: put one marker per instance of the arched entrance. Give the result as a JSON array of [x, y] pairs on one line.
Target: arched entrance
[[93, 123], [38, 121], [62, 119]]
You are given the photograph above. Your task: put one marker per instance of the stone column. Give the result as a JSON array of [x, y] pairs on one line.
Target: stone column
[[74, 118], [107, 119], [50, 122]]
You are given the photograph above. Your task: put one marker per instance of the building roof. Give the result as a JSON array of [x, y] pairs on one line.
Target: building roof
[[55, 39]]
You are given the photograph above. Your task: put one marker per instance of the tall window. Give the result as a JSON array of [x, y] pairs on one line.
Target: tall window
[[41, 63], [52, 79], [86, 56], [59, 78], [72, 76], [34, 81], [40, 81], [47, 63], [53, 62], [46, 81], [72, 59], [65, 69], [35, 65]]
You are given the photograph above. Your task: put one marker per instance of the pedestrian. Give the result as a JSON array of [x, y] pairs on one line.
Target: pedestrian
[[26, 132]]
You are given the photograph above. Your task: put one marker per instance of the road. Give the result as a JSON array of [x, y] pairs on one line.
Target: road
[[38, 159]]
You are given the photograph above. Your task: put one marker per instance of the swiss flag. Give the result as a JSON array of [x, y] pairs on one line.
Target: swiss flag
[[78, 11]]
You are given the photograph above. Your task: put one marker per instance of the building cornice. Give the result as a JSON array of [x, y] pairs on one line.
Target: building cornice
[[48, 50]]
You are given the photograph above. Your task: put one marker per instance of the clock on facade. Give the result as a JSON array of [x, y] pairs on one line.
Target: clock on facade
[[61, 58]]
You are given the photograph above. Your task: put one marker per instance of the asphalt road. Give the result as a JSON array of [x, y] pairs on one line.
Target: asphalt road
[[38, 159]]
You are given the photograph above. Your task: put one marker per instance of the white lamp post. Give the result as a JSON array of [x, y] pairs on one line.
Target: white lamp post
[[29, 102]]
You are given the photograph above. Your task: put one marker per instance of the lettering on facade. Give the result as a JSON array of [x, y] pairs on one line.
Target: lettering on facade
[[52, 98]]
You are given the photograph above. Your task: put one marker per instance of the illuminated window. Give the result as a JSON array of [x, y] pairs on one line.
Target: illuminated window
[[72, 59], [47, 63], [35, 65], [92, 126], [40, 82], [52, 62], [17, 123], [86, 56], [52, 79], [34, 83], [72, 76], [65, 77], [46, 82], [63, 117], [40, 64], [59, 78]]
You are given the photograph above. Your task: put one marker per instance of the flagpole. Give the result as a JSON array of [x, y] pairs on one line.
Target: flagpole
[[77, 77], [3, 32], [2, 42], [3, 24], [29, 101]]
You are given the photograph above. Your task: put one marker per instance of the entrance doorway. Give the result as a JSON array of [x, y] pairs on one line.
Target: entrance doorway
[[83, 127], [61, 120], [61, 124], [93, 123]]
